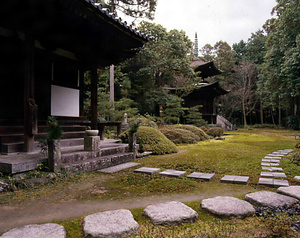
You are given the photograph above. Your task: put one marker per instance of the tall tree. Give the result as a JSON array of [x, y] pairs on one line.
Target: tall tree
[[282, 66], [132, 8], [164, 62]]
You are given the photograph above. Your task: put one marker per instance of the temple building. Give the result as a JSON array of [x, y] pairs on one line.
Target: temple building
[[46, 46], [205, 93]]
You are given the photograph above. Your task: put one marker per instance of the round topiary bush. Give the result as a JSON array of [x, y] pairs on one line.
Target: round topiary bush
[[151, 139], [213, 131], [180, 136], [196, 130]]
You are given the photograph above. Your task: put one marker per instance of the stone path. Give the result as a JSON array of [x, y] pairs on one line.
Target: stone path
[[119, 167], [270, 163], [118, 223]]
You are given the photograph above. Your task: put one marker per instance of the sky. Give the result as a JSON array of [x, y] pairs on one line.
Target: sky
[[214, 20]]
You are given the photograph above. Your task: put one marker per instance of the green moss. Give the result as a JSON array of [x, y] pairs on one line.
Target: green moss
[[180, 136], [151, 139], [196, 130]]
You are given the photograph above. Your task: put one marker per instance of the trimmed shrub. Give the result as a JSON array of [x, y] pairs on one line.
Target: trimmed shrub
[[196, 130], [151, 139], [213, 131], [180, 136]]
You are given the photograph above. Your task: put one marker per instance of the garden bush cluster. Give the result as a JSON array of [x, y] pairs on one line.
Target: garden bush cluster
[[213, 131]]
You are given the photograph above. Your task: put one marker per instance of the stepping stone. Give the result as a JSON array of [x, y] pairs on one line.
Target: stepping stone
[[268, 199], [273, 174], [147, 170], [280, 183], [170, 213], [49, 230], [292, 191], [273, 182], [227, 207], [270, 160], [119, 167], [172, 173], [203, 176], [269, 164], [297, 178], [266, 181], [110, 224], [272, 157], [272, 168], [235, 179]]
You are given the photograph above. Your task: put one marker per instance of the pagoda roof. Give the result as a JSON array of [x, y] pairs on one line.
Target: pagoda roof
[[207, 69], [207, 90], [79, 26]]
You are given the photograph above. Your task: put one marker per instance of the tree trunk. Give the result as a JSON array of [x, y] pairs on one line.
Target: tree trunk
[[244, 115], [261, 113]]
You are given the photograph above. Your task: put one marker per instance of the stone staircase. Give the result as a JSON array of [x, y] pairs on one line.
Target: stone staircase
[[110, 154], [12, 137]]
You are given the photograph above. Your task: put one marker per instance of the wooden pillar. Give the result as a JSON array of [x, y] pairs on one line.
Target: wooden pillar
[[30, 109], [81, 90], [94, 97]]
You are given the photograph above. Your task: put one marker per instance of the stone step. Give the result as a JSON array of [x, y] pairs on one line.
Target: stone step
[[93, 164], [7, 148]]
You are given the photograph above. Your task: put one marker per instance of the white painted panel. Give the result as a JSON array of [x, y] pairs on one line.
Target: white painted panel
[[64, 101]]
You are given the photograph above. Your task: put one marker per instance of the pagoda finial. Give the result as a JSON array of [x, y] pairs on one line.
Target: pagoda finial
[[196, 47]]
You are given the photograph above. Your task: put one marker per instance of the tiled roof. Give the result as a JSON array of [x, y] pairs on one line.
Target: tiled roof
[[118, 20]]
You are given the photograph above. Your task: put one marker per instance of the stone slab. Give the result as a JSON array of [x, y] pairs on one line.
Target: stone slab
[[49, 230], [241, 180], [108, 224], [266, 182], [235, 179], [170, 213], [172, 173], [280, 183], [147, 170], [273, 174], [272, 157], [269, 164], [204, 176], [277, 169], [228, 178], [227, 207], [267, 199], [270, 161], [292, 191], [297, 178], [119, 167]]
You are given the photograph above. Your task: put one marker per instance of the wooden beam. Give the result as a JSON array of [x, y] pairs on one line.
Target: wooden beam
[[30, 109], [94, 97]]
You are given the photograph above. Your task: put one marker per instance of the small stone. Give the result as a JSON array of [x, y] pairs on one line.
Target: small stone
[[49, 230], [170, 213], [292, 191], [51, 176], [228, 206], [297, 178], [110, 224], [4, 187], [267, 199], [220, 138]]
